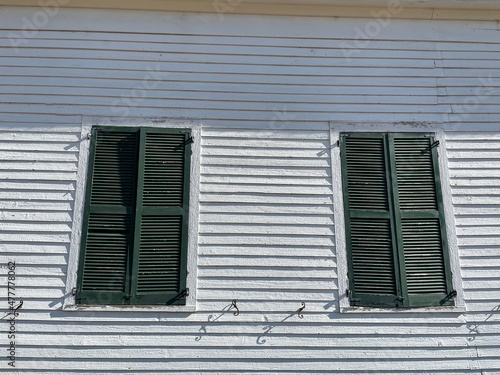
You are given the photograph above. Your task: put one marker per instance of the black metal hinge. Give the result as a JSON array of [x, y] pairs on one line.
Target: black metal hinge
[[353, 301], [451, 295], [77, 293], [433, 145], [79, 299], [341, 139]]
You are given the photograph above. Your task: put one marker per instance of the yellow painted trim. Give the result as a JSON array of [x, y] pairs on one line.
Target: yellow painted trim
[[315, 8]]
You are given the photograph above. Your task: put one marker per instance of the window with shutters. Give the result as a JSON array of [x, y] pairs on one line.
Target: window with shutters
[[396, 239], [135, 227]]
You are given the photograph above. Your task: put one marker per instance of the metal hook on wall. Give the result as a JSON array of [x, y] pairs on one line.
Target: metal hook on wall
[[233, 305], [299, 311]]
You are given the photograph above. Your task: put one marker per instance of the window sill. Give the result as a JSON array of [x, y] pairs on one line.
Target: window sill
[[145, 308], [420, 310]]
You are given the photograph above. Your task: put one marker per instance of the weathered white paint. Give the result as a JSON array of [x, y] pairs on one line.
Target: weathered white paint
[[265, 90]]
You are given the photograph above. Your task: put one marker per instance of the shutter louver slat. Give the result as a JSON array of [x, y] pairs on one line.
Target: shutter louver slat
[[164, 170], [423, 256], [373, 262], [106, 253], [366, 175], [159, 258], [113, 178], [415, 174]]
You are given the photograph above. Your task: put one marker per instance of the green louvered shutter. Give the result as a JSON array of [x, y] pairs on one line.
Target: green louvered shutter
[[396, 238], [370, 238], [160, 251], [426, 276], [108, 220]]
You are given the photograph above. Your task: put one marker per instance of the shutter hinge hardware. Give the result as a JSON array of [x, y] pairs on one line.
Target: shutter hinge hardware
[[76, 291], [451, 295], [89, 135], [189, 140], [184, 293], [433, 145], [342, 139], [352, 301]]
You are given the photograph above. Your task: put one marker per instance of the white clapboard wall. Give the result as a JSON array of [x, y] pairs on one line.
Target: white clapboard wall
[[264, 90]]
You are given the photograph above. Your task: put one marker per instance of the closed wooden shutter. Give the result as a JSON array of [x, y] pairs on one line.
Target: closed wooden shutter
[[370, 240], [426, 275], [135, 232], [396, 238], [108, 224], [161, 247]]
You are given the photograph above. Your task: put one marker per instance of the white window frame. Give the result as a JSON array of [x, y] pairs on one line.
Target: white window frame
[[78, 212], [339, 219]]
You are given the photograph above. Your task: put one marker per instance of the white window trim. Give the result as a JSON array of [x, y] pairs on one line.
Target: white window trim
[[192, 257], [338, 208]]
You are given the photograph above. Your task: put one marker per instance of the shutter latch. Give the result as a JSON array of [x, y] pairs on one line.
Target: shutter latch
[[182, 294], [451, 295]]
